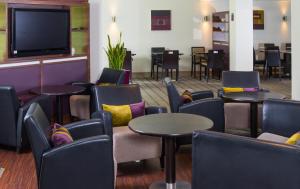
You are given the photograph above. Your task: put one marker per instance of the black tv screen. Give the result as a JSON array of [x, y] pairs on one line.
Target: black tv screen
[[36, 32]]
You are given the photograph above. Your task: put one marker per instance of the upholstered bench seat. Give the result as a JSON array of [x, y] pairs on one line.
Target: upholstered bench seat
[[237, 118], [272, 137], [80, 106], [130, 146]]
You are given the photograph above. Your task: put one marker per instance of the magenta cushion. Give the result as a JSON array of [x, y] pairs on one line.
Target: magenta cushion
[[137, 109], [250, 89], [60, 135]]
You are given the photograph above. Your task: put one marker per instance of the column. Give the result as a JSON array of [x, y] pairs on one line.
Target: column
[[295, 49], [241, 35]]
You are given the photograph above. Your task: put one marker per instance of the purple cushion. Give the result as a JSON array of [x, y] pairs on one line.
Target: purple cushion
[[60, 135], [137, 109], [250, 89]]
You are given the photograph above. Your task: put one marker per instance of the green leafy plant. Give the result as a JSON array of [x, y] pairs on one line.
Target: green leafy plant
[[116, 53]]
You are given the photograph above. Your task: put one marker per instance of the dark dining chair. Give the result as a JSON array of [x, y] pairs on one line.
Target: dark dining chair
[[170, 62], [273, 61], [198, 55], [268, 45], [12, 132], [288, 46], [128, 63], [156, 58], [215, 62]]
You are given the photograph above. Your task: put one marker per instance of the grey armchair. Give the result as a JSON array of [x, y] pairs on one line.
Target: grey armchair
[[128, 146], [12, 132], [85, 163]]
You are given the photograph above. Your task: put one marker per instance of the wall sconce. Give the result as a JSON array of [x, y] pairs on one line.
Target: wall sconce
[[206, 18], [113, 19], [284, 18]]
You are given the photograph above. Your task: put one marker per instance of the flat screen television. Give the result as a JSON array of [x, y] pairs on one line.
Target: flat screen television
[[36, 32]]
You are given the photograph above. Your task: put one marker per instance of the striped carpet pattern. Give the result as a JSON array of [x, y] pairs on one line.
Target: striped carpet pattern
[[155, 93]]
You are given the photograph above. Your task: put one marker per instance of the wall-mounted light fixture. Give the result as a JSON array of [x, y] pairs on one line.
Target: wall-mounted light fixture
[[206, 18], [113, 19], [284, 18]]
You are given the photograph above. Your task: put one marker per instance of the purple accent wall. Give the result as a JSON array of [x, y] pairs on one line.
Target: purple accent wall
[[64, 73], [22, 78]]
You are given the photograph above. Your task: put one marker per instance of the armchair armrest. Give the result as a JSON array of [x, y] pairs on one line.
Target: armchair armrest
[[212, 108], [242, 161], [155, 110], [106, 118], [202, 94], [87, 128], [87, 162]]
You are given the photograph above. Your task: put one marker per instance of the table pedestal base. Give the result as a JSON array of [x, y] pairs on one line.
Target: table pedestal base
[[164, 185]]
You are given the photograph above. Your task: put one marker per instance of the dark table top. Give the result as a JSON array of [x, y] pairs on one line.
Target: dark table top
[[59, 90], [258, 97], [169, 124]]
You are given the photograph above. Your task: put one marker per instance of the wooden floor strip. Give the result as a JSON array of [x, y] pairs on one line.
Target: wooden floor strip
[[1, 171]]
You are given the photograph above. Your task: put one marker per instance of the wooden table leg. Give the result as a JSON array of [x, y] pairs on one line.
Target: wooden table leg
[[253, 119]]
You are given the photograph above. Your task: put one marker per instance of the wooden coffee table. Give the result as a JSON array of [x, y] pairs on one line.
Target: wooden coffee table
[[59, 92]]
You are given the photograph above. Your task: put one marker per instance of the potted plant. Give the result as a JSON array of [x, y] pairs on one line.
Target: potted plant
[[116, 56], [116, 53]]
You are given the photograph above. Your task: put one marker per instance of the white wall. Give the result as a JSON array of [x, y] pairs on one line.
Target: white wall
[[133, 19], [296, 50], [241, 35], [276, 31]]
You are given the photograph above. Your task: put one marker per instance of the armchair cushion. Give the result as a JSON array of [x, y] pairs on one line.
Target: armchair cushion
[[60, 135], [122, 114]]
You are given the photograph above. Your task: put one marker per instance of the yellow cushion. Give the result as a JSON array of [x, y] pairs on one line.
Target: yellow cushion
[[105, 84], [293, 139], [232, 89], [121, 115]]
